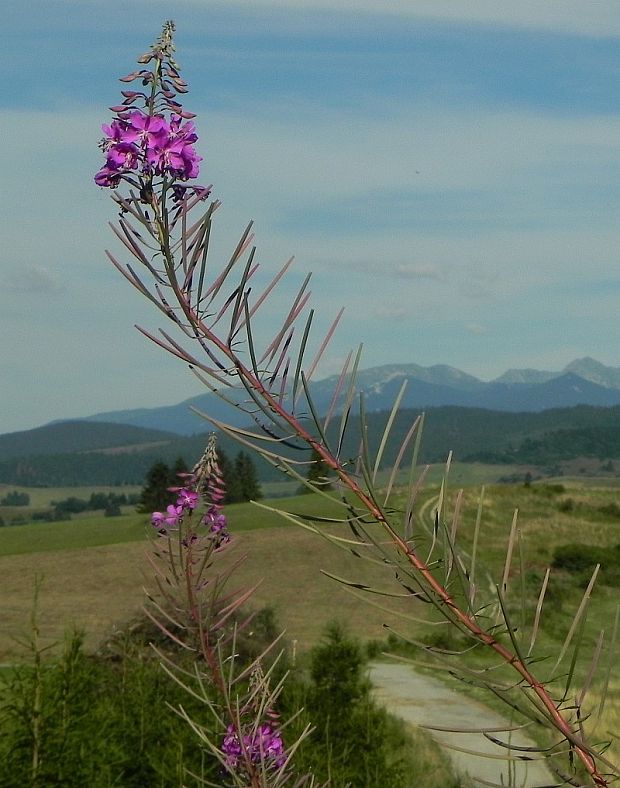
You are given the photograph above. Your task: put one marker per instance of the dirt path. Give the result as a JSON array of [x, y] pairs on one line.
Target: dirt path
[[422, 700]]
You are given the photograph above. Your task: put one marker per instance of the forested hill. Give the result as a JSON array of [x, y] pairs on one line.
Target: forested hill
[[122, 459], [77, 436], [497, 436], [82, 453], [477, 435]]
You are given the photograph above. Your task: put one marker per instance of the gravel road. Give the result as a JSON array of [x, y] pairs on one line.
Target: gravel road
[[422, 700]]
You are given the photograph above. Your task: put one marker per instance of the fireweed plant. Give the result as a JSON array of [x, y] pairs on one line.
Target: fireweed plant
[[195, 610], [149, 148], [165, 225]]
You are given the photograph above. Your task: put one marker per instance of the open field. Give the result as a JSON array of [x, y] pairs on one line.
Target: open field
[[93, 574], [96, 588], [41, 497], [94, 530], [286, 557], [462, 473], [94, 569]]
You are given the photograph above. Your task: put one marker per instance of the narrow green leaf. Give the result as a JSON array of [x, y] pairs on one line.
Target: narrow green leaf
[[330, 333], [592, 669], [299, 303], [580, 611], [451, 538], [611, 663], [474, 549], [242, 295], [387, 430], [316, 421], [510, 628], [348, 402], [300, 356], [508, 561], [399, 457], [539, 605], [245, 240], [336, 392]]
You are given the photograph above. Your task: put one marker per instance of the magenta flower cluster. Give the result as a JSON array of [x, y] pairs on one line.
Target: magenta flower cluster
[[218, 526], [187, 501], [141, 144], [263, 745]]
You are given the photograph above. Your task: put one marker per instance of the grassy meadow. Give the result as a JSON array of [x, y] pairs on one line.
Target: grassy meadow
[[94, 569], [550, 514], [93, 574]]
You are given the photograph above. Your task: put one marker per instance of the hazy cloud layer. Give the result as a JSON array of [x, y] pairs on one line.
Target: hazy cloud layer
[[449, 167], [599, 18], [31, 280]]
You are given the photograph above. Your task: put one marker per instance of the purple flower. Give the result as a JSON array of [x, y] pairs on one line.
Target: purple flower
[[117, 131], [264, 744], [217, 524], [123, 156], [152, 134], [147, 130], [270, 745], [174, 156], [185, 132], [135, 140], [107, 177], [170, 517], [231, 747], [188, 499]]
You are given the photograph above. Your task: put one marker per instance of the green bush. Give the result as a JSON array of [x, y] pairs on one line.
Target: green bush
[[355, 742], [567, 505], [580, 559], [610, 510], [96, 721], [15, 498], [107, 719]]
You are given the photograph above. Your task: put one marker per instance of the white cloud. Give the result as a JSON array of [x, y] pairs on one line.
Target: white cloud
[[416, 271], [520, 176], [31, 279], [389, 311], [433, 276], [595, 18], [332, 155]]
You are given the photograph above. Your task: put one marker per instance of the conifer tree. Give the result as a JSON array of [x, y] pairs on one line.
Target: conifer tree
[[247, 478], [231, 483], [155, 495], [180, 466], [318, 473]]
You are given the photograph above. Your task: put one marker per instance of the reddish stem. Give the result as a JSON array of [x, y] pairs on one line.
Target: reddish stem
[[470, 623], [201, 330]]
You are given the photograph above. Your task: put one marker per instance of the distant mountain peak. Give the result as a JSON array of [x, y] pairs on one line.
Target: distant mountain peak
[[583, 381], [587, 368], [526, 376], [590, 369]]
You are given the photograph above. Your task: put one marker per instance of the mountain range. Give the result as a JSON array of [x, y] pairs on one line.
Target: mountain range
[[525, 417], [584, 381]]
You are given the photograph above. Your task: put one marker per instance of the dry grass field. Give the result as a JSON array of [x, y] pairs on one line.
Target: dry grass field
[[93, 569], [97, 588], [94, 582]]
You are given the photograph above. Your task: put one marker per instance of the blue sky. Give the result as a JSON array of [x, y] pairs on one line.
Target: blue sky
[[448, 169]]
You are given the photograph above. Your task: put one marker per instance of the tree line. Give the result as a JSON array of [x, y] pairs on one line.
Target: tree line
[[239, 475]]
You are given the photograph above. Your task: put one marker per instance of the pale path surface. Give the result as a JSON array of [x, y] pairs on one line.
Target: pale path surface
[[423, 700]]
